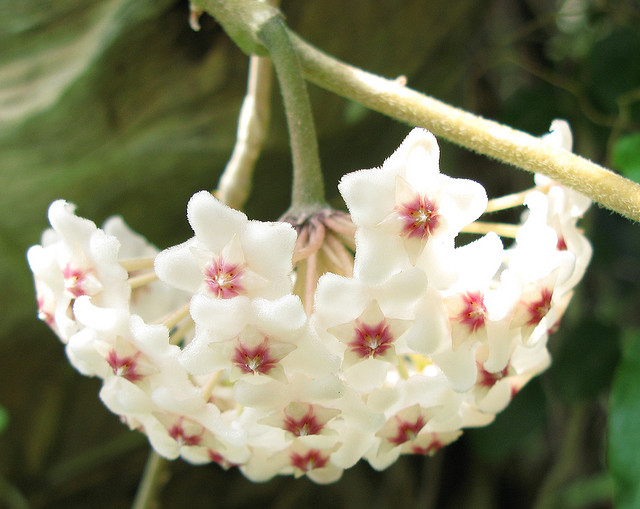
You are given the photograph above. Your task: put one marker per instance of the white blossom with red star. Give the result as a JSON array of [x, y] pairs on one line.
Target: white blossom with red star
[[303, 346]]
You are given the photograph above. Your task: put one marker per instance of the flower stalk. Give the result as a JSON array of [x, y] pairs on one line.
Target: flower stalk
[[486, 137], [241, 19], [153, 478], [235, 182], [511, 200], [308, 184], [134, 264], [175, 317], [142, 280], [245, 20], [482, 227], [259, 28]]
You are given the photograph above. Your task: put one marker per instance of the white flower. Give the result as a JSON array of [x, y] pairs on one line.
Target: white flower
[[153, 300], [133, 358], [174, 435], [365, 325], [256, 339], [566, 206], [228, 256], [302, 419], [75, 258], [370, 336], [405, 205], [575, 204], [78, 259], [245, 368]]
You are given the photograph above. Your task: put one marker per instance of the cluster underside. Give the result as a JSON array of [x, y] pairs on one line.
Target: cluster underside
[[301, 349]]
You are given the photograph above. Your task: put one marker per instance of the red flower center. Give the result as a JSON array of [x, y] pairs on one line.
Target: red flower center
[[372, 340], [308, 424], [224, 279], [474, 313], [124, 367], [419, 217], [257, 359], [539, 309], [311, 460]]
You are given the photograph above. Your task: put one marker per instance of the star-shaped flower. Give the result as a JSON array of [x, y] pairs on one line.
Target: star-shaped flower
[[370, 336], [229, 256], [406, 204], [75, 258], [403, 427], [300, 419]]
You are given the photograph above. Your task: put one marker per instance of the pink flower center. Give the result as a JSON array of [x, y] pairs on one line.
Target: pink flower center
[[124, 366], [562, 244], [180, 435], [474, 313], [434, 446], [45, 314], [487, 379], [258, 360], [308, 424], [74, 280], [539, 309], [218, 458], [371, 340], [224, 279], [407, 430], [419, 217], [311, 460]]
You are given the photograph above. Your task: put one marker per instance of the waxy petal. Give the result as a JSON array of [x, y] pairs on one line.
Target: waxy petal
[[213, 223]]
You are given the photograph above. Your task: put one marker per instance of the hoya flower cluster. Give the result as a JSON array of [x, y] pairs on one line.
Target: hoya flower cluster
[[287, 348]]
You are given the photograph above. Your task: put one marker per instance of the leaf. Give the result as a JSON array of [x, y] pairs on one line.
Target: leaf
[[624, 424], [626, 156]]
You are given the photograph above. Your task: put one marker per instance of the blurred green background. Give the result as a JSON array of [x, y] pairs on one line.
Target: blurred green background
[[117, 106]]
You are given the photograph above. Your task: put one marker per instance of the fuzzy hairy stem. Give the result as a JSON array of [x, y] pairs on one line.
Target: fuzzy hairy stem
[[308, 184], [243, 20], [470, 131]]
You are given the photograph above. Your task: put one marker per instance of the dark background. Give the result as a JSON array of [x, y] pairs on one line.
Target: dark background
[[119, 107]]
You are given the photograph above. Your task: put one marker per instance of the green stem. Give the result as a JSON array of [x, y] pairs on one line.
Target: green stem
[[153, 478], [308, 184], [241, 19], [470, 131]]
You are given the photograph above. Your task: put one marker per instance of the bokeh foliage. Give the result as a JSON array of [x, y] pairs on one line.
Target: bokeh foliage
[[117, 106]]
